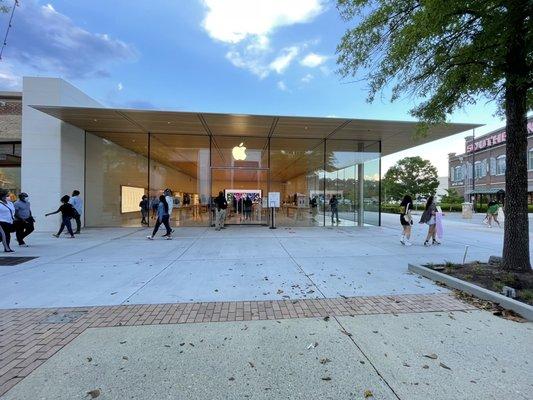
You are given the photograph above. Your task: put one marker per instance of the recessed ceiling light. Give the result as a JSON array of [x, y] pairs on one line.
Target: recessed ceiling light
[[168, 123], [95, 120]]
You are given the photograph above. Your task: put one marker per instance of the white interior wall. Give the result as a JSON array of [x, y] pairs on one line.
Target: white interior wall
[[53, 152]]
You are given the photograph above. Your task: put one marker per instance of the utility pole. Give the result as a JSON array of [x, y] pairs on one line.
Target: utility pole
[[473, 168]]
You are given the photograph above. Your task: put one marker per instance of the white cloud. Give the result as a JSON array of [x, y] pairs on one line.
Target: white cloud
[[232, 21], [307, 78], [120, 86], [44, 41], [281, 63], [313, 60], [282, 86], [245, 26], [9, 80]]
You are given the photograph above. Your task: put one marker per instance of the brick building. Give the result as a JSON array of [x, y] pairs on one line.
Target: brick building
[[484, 158], [10, 140]]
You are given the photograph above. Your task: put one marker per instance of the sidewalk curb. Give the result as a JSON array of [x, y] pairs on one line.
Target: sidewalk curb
[[523, 309]]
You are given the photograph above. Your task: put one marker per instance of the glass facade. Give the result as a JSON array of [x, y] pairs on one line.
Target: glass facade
[[307, 173], [10, 160]]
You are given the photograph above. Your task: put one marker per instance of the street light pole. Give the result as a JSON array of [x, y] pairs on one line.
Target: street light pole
[[473, 168]]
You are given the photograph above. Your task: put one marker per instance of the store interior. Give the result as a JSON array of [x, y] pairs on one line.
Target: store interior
[[121, 167]]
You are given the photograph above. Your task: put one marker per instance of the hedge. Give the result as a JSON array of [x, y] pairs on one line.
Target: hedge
[[395, 208]]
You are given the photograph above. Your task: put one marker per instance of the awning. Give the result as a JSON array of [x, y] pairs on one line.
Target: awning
[[486, 191], [394, 135]]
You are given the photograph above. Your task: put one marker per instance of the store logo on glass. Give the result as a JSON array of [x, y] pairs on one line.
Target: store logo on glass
[[239, 152]]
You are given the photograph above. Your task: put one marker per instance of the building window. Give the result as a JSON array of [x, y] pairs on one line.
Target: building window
[[458, 173], [530, 159], [500, 165], [478, 169]]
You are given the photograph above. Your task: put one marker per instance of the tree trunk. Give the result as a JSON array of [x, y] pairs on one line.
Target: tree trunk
[[516, 235]]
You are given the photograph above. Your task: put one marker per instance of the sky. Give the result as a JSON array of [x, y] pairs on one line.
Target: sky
[[235, 56]]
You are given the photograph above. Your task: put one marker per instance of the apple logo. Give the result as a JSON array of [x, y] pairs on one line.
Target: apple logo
[[239, 152]]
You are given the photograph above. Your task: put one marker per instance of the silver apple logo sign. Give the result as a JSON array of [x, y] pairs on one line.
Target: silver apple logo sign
[[239, 152]]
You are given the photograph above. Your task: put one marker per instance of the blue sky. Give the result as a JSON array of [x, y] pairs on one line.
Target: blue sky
[[242, 56]]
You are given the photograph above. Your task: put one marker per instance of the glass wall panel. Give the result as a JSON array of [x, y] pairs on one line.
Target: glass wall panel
[[116, 169], [239, 152], [372, 182], [181, 163], [297, 172], [246, 192], [10, 180]]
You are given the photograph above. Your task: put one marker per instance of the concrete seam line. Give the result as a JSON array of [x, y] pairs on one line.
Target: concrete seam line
[[71, 254], [339, 323], [164, 269], [521, 308]]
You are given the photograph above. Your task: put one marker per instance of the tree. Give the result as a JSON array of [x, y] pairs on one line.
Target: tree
[[452, 196], [413, 176], [450, 54]]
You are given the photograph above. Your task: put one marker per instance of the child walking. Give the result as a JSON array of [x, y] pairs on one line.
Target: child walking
[[67, 213]]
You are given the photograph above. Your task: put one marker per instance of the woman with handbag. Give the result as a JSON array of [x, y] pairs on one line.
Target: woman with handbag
[[406, 220], [7, 217], [429, 217]]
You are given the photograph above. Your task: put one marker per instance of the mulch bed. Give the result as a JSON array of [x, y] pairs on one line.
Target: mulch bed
[[492, 277]]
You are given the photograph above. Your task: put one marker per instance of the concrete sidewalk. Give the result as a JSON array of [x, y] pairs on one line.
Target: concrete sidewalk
[[438, 356], [119, 266]]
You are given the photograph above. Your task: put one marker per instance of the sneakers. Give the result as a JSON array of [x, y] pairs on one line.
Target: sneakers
[[23, 245], [55, 235], [149, 238], [408, 243], [427, 244], [402, 239], [168, 237], [436, 242]]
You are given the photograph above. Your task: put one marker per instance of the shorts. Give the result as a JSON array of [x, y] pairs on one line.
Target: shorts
[[432, 221], [403, 221]]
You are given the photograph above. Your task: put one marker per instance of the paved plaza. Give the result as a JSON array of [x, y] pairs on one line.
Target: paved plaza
[[250, 312]]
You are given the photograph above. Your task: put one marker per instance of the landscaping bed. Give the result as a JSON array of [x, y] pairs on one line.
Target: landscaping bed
[[490, 276]]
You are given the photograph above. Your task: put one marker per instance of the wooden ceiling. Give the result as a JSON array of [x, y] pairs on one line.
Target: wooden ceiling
[[394, 135]]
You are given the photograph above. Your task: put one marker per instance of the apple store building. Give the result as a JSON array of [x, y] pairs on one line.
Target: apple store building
[[116, 156]]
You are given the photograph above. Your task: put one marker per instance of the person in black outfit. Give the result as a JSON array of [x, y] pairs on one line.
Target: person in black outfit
[[145, 209], [67, 213]]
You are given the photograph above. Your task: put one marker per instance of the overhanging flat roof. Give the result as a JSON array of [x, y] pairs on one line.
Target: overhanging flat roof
[[394, 135]]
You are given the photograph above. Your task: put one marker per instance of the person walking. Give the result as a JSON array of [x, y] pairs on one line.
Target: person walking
[[162, 218], [24, 221], [220, 212], [145, 209], [429, 218], [169, 198], [334, 205], [248, 204], [492, 213], [77, 203], [7, 217], [154, 202], [67, 213], [406, 220], [314, 206]]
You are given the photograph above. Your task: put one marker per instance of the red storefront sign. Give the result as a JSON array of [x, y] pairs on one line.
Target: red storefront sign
[[492, 140], [486, 142]]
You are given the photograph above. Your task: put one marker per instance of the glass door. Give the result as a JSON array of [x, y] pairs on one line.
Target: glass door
[[245, 190]]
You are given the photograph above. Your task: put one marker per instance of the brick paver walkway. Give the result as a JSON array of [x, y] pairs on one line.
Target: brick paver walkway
[[28, 337]]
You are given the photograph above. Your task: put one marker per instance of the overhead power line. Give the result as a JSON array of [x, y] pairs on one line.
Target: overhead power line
[[15, 5]]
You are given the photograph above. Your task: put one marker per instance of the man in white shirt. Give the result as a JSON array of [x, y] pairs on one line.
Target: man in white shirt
[[77, 203]]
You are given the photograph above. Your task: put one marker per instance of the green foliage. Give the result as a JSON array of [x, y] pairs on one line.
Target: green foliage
[[452, 196], [447, 52], [410, 175]]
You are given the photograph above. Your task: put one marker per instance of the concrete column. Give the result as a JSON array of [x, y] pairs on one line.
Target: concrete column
[[53, 152]]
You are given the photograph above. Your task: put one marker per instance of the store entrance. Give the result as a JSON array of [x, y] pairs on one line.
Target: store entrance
[[245, 191]]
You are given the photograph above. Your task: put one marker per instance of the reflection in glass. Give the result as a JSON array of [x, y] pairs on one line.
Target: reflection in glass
[[181, 163], [113, 161]]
